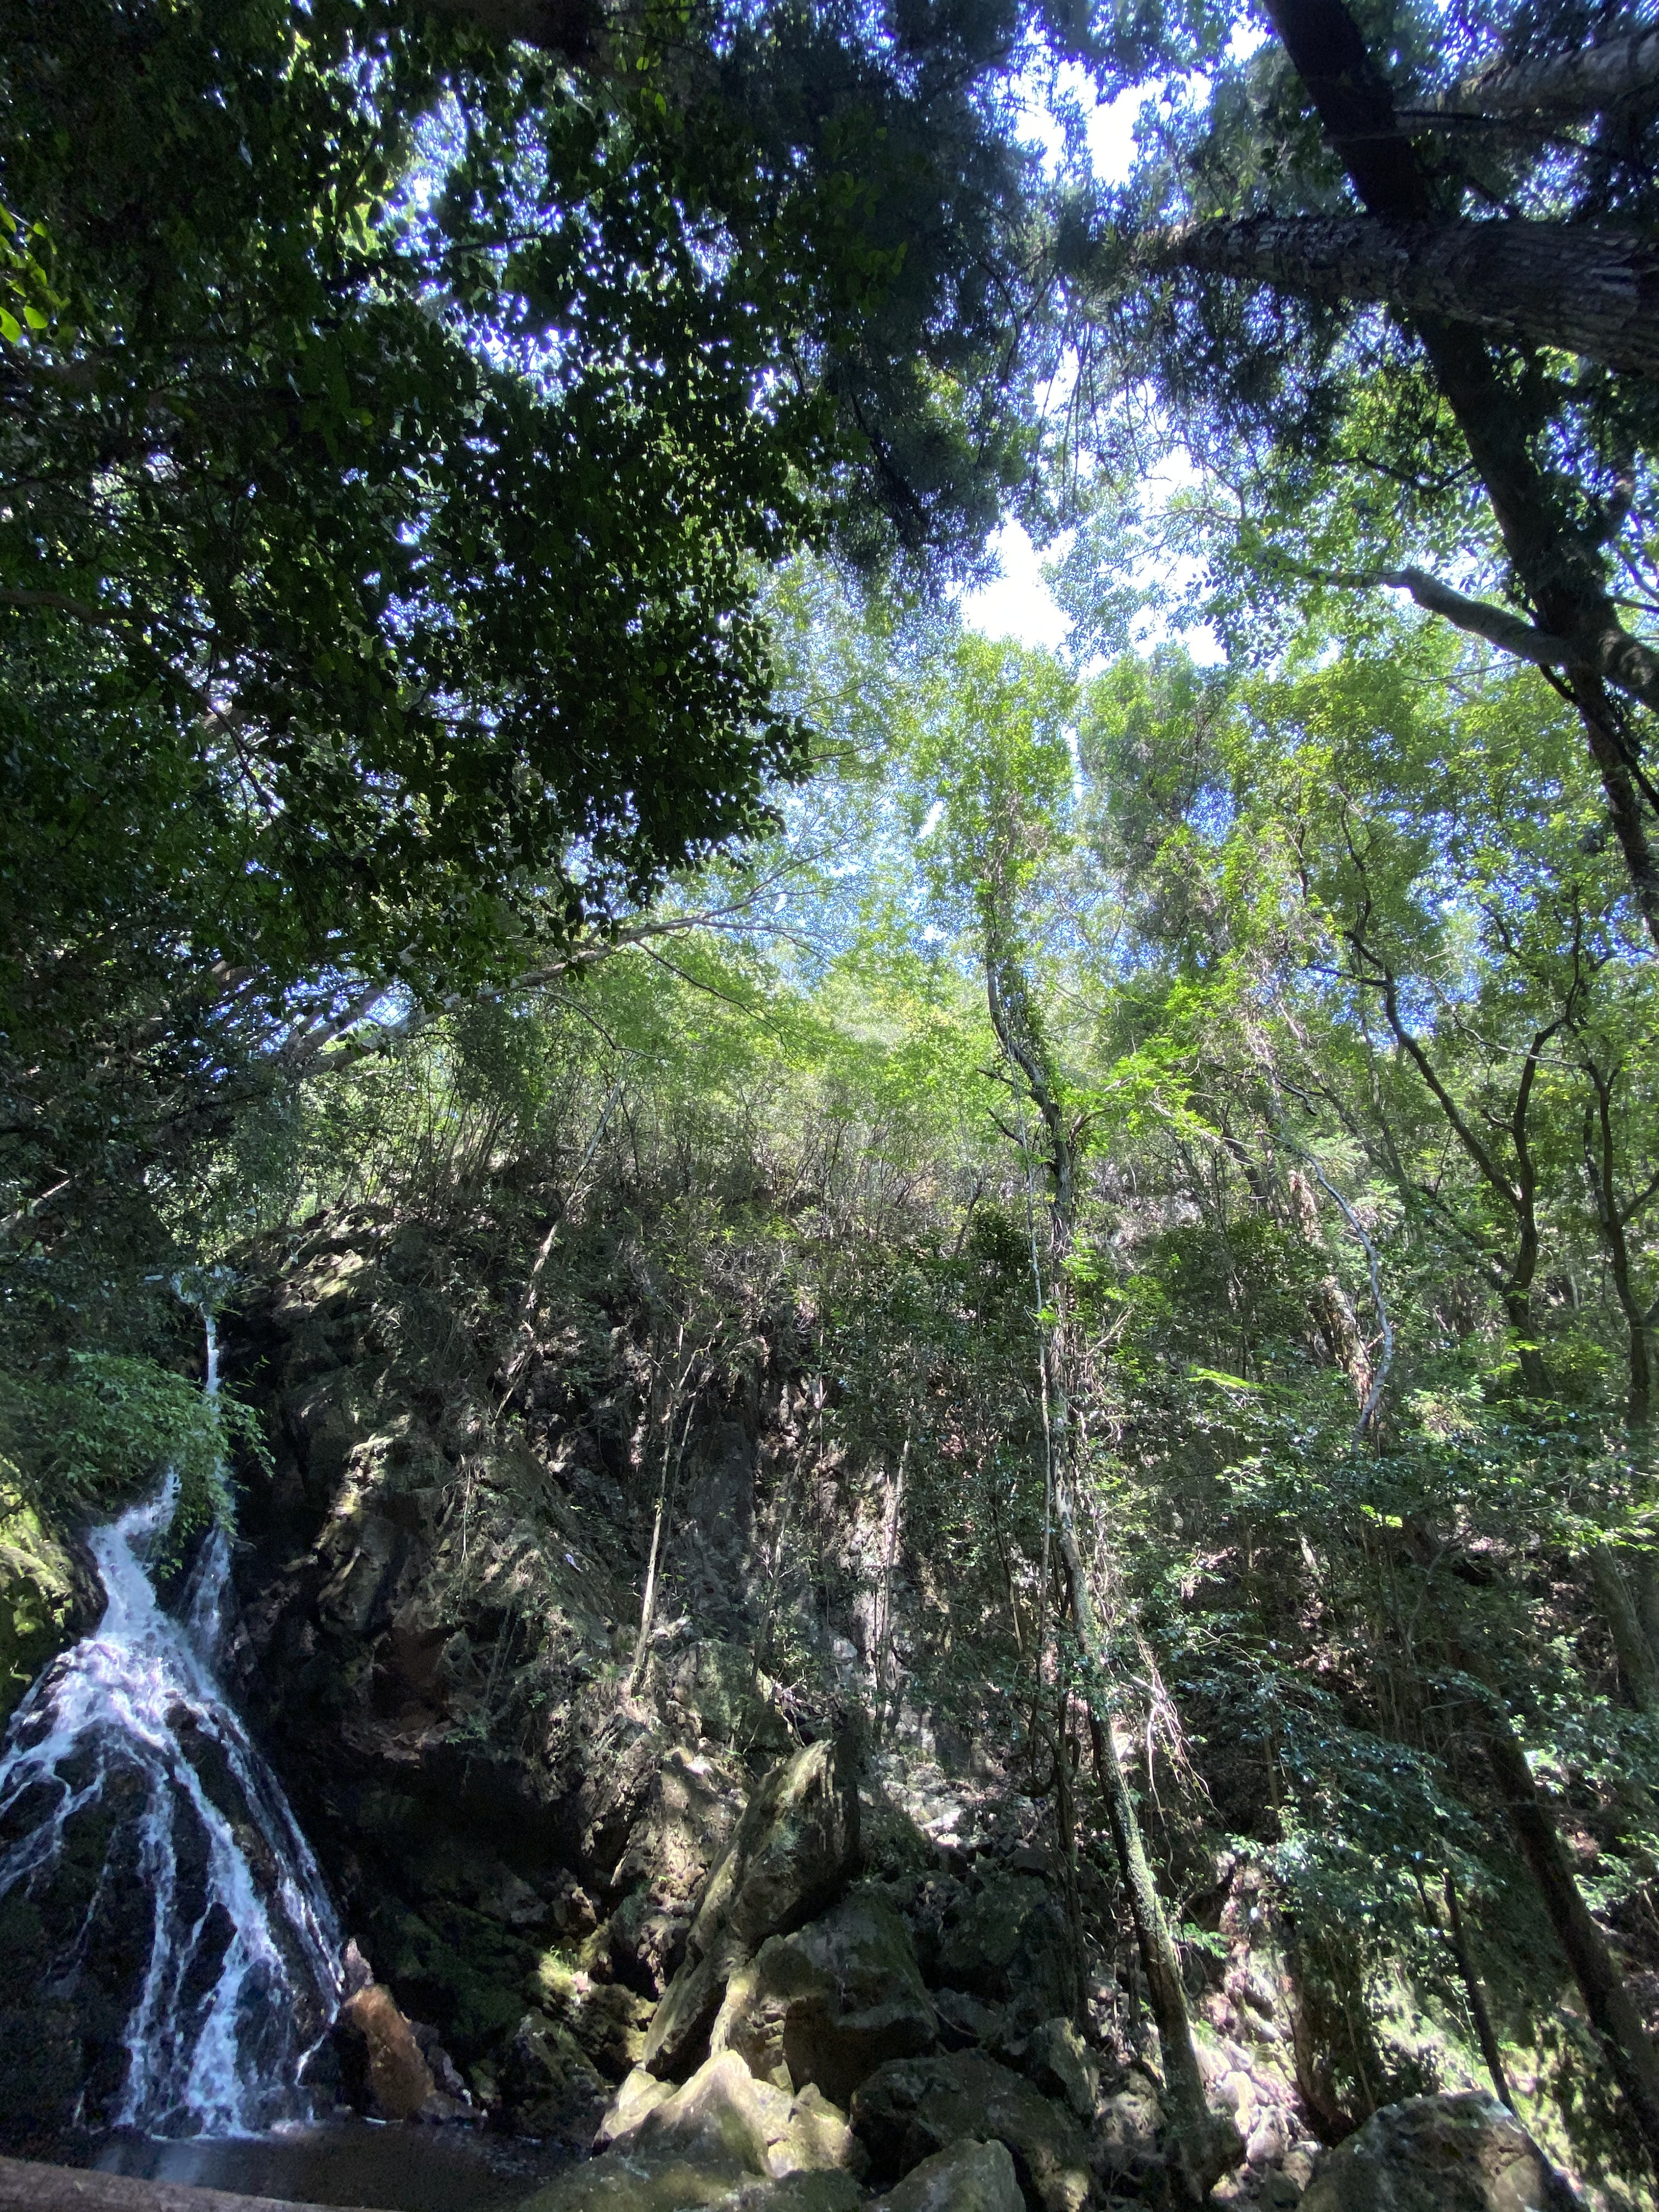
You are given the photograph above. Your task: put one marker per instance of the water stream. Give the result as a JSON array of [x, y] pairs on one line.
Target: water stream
[[192, 1938]]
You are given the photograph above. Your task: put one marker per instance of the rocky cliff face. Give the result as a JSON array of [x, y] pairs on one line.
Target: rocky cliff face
[[635, 1897], [435, 1633]]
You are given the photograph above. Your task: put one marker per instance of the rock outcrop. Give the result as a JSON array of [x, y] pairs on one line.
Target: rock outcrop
[[831, 2002], [795, 1847], [912, 2109], [970, 2177], [398, 2079], [721, 2138], [1446, 2154]]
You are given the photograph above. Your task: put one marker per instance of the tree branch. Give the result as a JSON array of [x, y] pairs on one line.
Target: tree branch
[[1619, 76], [1589, 289]]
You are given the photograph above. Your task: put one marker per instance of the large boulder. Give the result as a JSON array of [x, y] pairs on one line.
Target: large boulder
[[548, 2085], [700, 2145], [795, 1847], [720, 2138], [398, 2080], [970, 2177], [802, 2134], [1446, 2154], [1007, 1942], [913, 2108], [1055, 2057], [831, 2002]]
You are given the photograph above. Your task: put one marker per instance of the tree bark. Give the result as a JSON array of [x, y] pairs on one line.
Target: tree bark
[[1618, 77], [659, 1526], [1588, 290], [1612, 2013], [1203, 2144], [1601, 1158], [1637, 1661], [885, 1619], [1474, 1991], [1557, 564]]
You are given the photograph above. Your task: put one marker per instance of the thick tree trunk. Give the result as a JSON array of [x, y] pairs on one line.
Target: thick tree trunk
[[1637, 1661], [1559, 567], [1613, 2014], [1588, 290], [1619, 78]]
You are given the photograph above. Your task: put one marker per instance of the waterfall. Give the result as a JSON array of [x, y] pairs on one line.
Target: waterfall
[[192, 1938]]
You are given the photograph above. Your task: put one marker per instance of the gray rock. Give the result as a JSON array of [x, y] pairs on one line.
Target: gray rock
[[810, 2134], [1446, 2154], [965, 2021], [970, 2177], [717, 1687], [1062, 2064], [549, 2085], [1007, 1942], [795, 1847], [1128, 2122], [701, 2145], [831, 2002], [817, 2191], [913, 2108], [724, 2106]]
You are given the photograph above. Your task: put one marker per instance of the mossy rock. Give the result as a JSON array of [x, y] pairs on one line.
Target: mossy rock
[[831, 2002], [913, 2109], [1443, 2154], [43, 1603]]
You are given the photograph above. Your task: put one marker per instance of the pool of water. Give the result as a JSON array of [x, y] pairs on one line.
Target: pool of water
[[354, 2162]]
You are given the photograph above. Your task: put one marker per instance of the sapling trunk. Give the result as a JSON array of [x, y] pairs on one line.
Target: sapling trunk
[[1203, 2144], [1476, 1991], [659, 1525], [895, 1515]]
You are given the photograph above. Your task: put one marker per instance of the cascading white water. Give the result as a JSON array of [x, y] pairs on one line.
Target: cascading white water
[[128, 1786]]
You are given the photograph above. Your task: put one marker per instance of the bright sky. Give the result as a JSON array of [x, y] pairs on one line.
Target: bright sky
[[1019, 604]]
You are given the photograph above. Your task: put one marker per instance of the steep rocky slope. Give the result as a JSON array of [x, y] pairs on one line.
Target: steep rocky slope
[[437, 1629], [583, 1906]]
